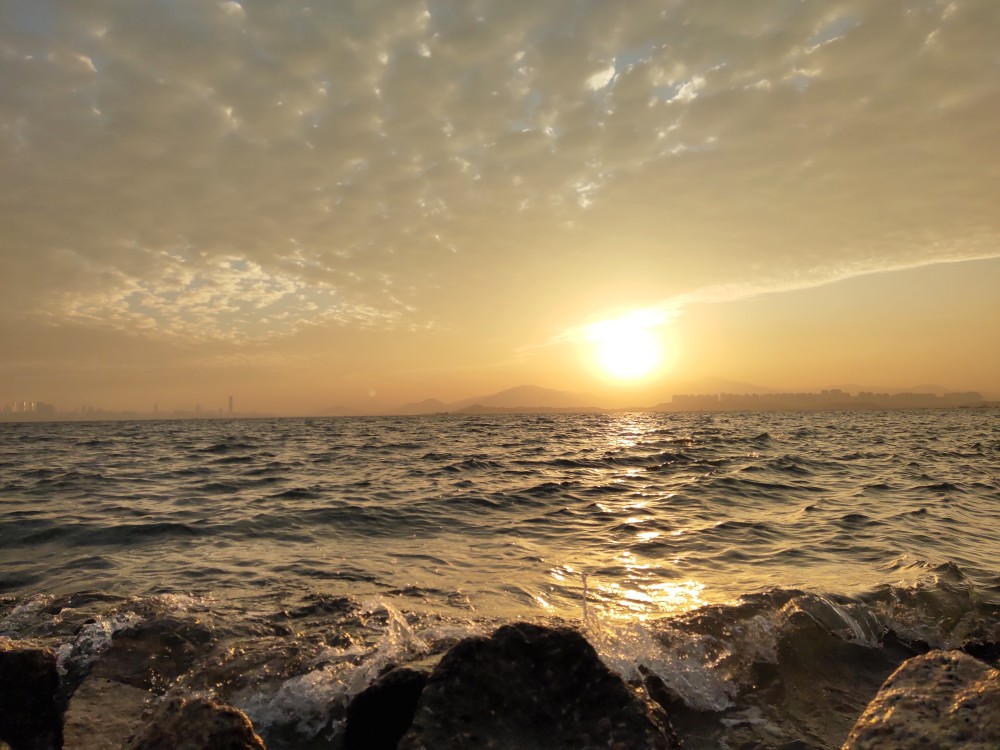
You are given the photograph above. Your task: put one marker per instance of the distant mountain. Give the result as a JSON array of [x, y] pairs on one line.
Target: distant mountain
[[480, 409], [427, 406], [336, 411], [530, 396]]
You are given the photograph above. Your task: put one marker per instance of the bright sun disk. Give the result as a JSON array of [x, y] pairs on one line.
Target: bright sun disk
[[628, 348]]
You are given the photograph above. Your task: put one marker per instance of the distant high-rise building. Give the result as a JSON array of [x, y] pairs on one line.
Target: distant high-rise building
[[230, 404]]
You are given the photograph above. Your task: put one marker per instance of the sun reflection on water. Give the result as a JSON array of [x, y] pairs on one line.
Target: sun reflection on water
[[635, 517], [638, 600], [641, 593]]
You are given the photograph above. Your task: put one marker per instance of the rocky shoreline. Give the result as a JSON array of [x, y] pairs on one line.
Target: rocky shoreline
[[525, 686]]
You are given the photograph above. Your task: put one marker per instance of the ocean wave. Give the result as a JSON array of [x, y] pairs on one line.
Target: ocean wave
[[726, 556]]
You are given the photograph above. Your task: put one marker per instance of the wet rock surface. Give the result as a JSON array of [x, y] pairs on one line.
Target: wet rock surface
[[806, 696], [30, 715], [944, 700], [524, 687], [196, 724], [152, 654], [102, 714], [379, 716], [529, 687]]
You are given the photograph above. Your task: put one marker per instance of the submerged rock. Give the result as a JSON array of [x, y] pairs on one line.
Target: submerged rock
[[30, 716], [529, 687], [196, 724], [943, 699], [379, 716]]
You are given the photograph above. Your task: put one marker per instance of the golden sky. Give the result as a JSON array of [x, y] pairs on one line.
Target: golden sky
[[307, 203]]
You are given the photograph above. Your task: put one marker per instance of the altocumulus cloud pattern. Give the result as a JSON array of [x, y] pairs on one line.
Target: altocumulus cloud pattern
[[232, 171]]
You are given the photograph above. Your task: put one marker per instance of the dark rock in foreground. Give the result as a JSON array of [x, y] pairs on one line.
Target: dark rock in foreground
[[379, 716], [30, 715], [944, 700], [196, 724], [530, 688]]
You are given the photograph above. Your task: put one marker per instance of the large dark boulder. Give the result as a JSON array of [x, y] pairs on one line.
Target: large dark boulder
[[529, 687], [944, 700], [196, 724], [379, 716], [30, 716]]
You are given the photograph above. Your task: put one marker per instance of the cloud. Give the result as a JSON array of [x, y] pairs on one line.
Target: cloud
[[671, 308], [816, 277], [206, 299], [238, 170], [639, 319]]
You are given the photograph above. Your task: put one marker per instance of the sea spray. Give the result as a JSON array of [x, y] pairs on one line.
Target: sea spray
[[635, 648], [314, 701], [304, 702], [400, 643], [92, 640]]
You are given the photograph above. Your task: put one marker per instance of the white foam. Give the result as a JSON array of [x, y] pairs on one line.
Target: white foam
[[685, 667], [304, 701], [180, 602], [93, 639]]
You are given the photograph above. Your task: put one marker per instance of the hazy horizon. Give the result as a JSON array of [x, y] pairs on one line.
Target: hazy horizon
[[311, 204], [525, 396]]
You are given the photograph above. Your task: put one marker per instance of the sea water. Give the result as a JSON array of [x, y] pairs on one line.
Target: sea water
[[723, 553]]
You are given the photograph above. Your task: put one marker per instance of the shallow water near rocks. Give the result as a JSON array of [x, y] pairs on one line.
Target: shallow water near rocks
[[752, 563]]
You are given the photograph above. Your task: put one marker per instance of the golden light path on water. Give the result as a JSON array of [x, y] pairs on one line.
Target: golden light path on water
[[641, 591], [650, 557], [642, 596], [652, 600]]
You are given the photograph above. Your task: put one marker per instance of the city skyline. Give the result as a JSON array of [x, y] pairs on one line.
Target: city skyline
[[309, 205]]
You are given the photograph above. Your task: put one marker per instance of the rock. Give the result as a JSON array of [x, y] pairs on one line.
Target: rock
[[529, 687], [379, 716], [914, 647], [941, 700], [103, 713], [196, 724], [30, 718], [154, 653], [987, 651]]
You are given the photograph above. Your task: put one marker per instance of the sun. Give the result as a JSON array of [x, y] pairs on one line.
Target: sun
[[629, 347]]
